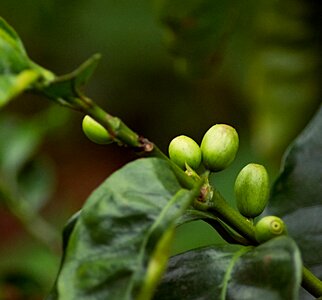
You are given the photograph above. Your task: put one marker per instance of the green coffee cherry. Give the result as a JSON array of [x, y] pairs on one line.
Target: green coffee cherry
[[95, 131], [184, 150], [252, 190], [219, 147], [268, 228]]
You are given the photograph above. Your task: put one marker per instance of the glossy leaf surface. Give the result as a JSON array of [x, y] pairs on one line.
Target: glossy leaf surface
[[269, 271], [296, 195], [120, 231]]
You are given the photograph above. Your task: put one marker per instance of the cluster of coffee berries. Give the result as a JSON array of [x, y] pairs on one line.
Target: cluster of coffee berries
[[217, 151]]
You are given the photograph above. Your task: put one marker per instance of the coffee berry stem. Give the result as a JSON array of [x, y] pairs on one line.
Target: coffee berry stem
[[216, 205], [232, 217], [311, 283], [245, 228], [116, 128]]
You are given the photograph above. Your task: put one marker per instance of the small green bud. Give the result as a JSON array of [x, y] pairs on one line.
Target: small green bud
[[252, 190], [268, 228], [184, 150], [219, 147], [95, 131]]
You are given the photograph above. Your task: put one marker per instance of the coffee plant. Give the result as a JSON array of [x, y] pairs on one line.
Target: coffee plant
[[117, 245]]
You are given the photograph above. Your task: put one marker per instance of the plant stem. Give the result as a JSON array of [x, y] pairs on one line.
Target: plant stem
[[217, 204], [122, 133], [116, 128], [182, 177], [232, 217], [311, 283]]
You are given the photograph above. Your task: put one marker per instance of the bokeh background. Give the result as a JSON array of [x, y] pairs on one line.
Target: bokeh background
[[167, 68]]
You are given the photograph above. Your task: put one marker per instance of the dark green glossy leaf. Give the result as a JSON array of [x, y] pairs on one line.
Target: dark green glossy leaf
[[116, 249], [269, 271], [296, 195], [17, 71]]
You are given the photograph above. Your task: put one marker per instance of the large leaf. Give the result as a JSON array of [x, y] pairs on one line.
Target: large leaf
[[296, 195], [269, 271], [17, 71], [117, 247]]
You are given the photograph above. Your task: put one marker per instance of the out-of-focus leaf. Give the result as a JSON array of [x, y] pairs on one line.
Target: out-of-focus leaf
[[25, 181], [195, 29], [113, 249], [22, 270], [22, 137], [21, 141], [296, 195], [269, 271], [17, 71], [36, 183], [12, 85], [283, 77]]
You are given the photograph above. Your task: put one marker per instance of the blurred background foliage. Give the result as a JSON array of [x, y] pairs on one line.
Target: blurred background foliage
[[169, 67]]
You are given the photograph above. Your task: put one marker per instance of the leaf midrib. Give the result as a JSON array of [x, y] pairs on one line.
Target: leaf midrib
[[229, 270]]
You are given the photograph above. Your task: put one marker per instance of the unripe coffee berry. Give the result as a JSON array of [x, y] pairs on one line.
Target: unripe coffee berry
[[184, 150], [95, 131], [268, 228], [252, 190], [219, 147]]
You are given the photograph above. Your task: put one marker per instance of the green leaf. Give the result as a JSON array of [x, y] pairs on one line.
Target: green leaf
[[296, 194], [36, 183], [17, 71], [27, 180], [115, 250], [65, 89], [8, 34], [269, 271], [22, 140]]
